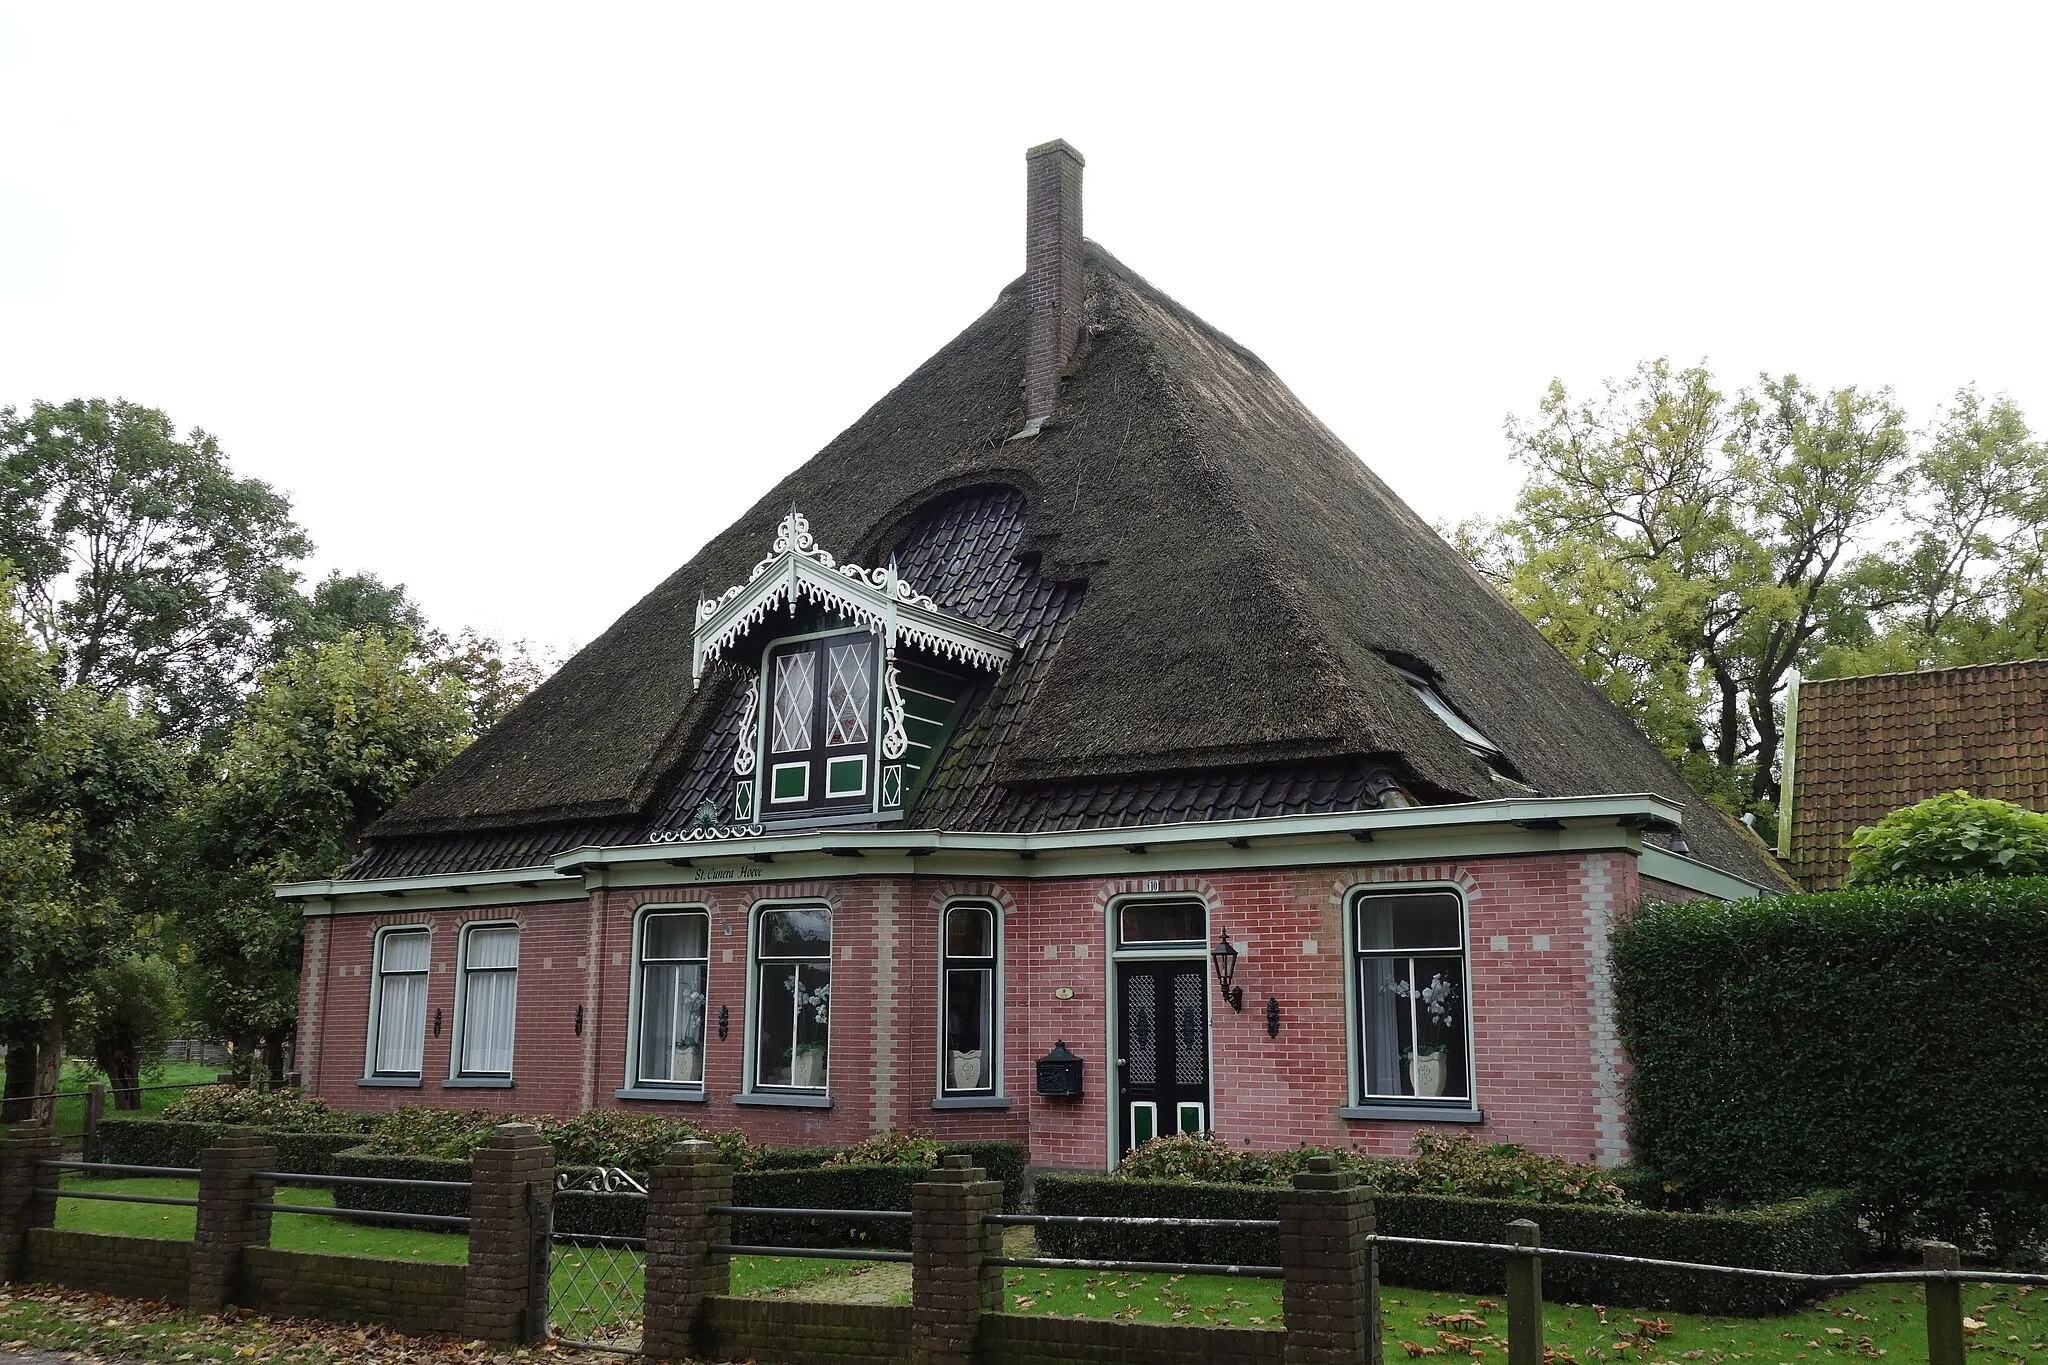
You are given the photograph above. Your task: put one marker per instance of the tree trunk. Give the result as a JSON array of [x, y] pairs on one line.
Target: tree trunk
[[17, 1107], [49, 1069], [122, 1062], [273, 1056]]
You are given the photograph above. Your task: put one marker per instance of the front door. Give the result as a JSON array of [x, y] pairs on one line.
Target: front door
[[1162, 1054]]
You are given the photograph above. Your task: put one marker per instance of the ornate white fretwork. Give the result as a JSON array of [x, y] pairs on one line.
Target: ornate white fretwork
[[797, 571], [743, 748], [894, 740], [704, 834]]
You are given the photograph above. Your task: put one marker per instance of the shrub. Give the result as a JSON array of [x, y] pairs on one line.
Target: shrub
[[276, 1111], [597, 1137], [1444, 1163], [889, 1148], [1949, 836], [161, 1142], [1891, 1041], [1810, 1235]]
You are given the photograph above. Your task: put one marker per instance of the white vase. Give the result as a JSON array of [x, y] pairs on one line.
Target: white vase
[[1427, 1068], [808, 1069], [689, 1064], [967, 1070]]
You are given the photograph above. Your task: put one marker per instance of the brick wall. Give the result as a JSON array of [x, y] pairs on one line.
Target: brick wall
[[1546, 1069], [793, 1332], [410, 1296], [1012, 1339], [127, 1267]]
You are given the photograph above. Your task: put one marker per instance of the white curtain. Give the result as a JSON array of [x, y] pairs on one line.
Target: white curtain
[[490, 990], [402, 1003]]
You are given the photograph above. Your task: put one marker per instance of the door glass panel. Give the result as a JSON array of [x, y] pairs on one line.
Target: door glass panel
[[1141, 1030], [1146, 923], [1189, 1118], [1190, 1030]]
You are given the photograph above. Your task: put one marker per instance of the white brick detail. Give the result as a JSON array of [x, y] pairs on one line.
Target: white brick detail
[[882, 1108], [1612, 1134]]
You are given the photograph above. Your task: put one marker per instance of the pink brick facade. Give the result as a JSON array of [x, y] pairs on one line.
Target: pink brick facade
[[1547, 1066]]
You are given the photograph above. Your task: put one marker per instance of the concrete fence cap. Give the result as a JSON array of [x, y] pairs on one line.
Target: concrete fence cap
[[956, 1161], [1322, 1165], [514, 1130]]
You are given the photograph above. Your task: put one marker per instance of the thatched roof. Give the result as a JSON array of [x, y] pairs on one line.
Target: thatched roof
[[1234, 587]]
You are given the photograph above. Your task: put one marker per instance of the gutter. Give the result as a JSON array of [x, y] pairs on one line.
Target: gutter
[[1518, 825]]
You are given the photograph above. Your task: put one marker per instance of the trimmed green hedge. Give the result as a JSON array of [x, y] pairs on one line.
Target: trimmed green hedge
[[361, 1160], [1890, 1041], [162, 1142], [1813, 1234]]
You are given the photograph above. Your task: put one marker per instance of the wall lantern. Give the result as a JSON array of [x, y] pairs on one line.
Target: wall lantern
[[1225, 958]]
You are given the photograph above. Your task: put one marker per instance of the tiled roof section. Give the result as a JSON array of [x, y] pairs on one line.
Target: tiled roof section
[[1869, 745], [425, 856], [1310, 788]]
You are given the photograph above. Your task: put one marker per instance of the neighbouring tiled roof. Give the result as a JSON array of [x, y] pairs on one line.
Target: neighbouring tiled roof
[[1867, 746], [1209, 592]]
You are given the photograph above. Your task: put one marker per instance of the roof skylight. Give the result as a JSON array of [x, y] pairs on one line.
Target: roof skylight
[[1467, 733]]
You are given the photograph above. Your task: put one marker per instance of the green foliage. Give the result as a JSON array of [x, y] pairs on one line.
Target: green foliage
[[1687, 549], [332, 737], [891, 1148], [1447, 1164], [162, 1142], [1889, 1041], [130, 1007], [1812, 1234], [148, 568], [1949, 836], [275, 1111]]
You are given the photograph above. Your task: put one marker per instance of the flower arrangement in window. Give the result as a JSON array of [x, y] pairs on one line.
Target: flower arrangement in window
[[1429, 1063]]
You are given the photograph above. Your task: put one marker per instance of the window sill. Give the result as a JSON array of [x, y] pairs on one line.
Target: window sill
[[1418, 1113], [770, 1100], [656, 1092], [971, 1102], [404, 1082], [477, 1083]]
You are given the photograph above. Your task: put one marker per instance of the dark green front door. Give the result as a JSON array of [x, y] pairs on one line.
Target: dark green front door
[[1162, 1049]]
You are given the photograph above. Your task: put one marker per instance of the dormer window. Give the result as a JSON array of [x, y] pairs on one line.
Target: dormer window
[[821, 723]]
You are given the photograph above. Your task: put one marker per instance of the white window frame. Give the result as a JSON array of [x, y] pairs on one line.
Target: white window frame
[[456, 1075], [635, 1086], [370, 1071], [754, 1003], [994, 1088], [798, 808], [1354, 1015]]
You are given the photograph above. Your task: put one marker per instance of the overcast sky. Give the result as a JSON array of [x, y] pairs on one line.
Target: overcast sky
[[522, 304]]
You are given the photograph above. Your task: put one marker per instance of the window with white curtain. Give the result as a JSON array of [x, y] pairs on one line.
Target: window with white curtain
[[398, 1021], [487, 997], [792, 997], [674, 949], [1414, 1010], [968, 980]]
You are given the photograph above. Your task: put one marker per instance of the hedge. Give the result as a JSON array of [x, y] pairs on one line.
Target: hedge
[[1889, 1041], [164, 1142], [1813, 1234]]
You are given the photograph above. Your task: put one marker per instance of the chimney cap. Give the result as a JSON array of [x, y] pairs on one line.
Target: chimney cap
[[1058, 144]]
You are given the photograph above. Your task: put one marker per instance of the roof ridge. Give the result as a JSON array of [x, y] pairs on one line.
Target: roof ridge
[[2038, 662]]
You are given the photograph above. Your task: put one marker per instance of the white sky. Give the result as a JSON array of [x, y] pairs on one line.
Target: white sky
[[520, 305]]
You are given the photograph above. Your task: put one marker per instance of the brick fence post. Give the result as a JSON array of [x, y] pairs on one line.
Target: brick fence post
[[23, 1150], [228, 1220], [681, 1269], [511, 1203], [951, 1282], [1330, 1292]]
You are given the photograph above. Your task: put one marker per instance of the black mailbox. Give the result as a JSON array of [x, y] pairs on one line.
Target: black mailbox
[[1059, 1072]]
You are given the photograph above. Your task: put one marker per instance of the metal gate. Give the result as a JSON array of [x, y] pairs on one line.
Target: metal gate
[[597, 1280]]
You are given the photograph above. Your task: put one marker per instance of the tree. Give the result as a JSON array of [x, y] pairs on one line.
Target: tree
[[332, 737], [494, 677], [129, 1010], [1686, 549], [147, 567]]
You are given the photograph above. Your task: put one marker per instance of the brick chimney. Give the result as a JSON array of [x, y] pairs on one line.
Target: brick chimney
[[1052, 272]]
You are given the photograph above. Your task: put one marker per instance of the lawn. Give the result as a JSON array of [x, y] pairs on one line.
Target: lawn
[[71, 1091]]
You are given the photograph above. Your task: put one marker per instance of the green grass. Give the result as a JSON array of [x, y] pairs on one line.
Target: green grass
[[1884, 1322], [71, 1107]]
